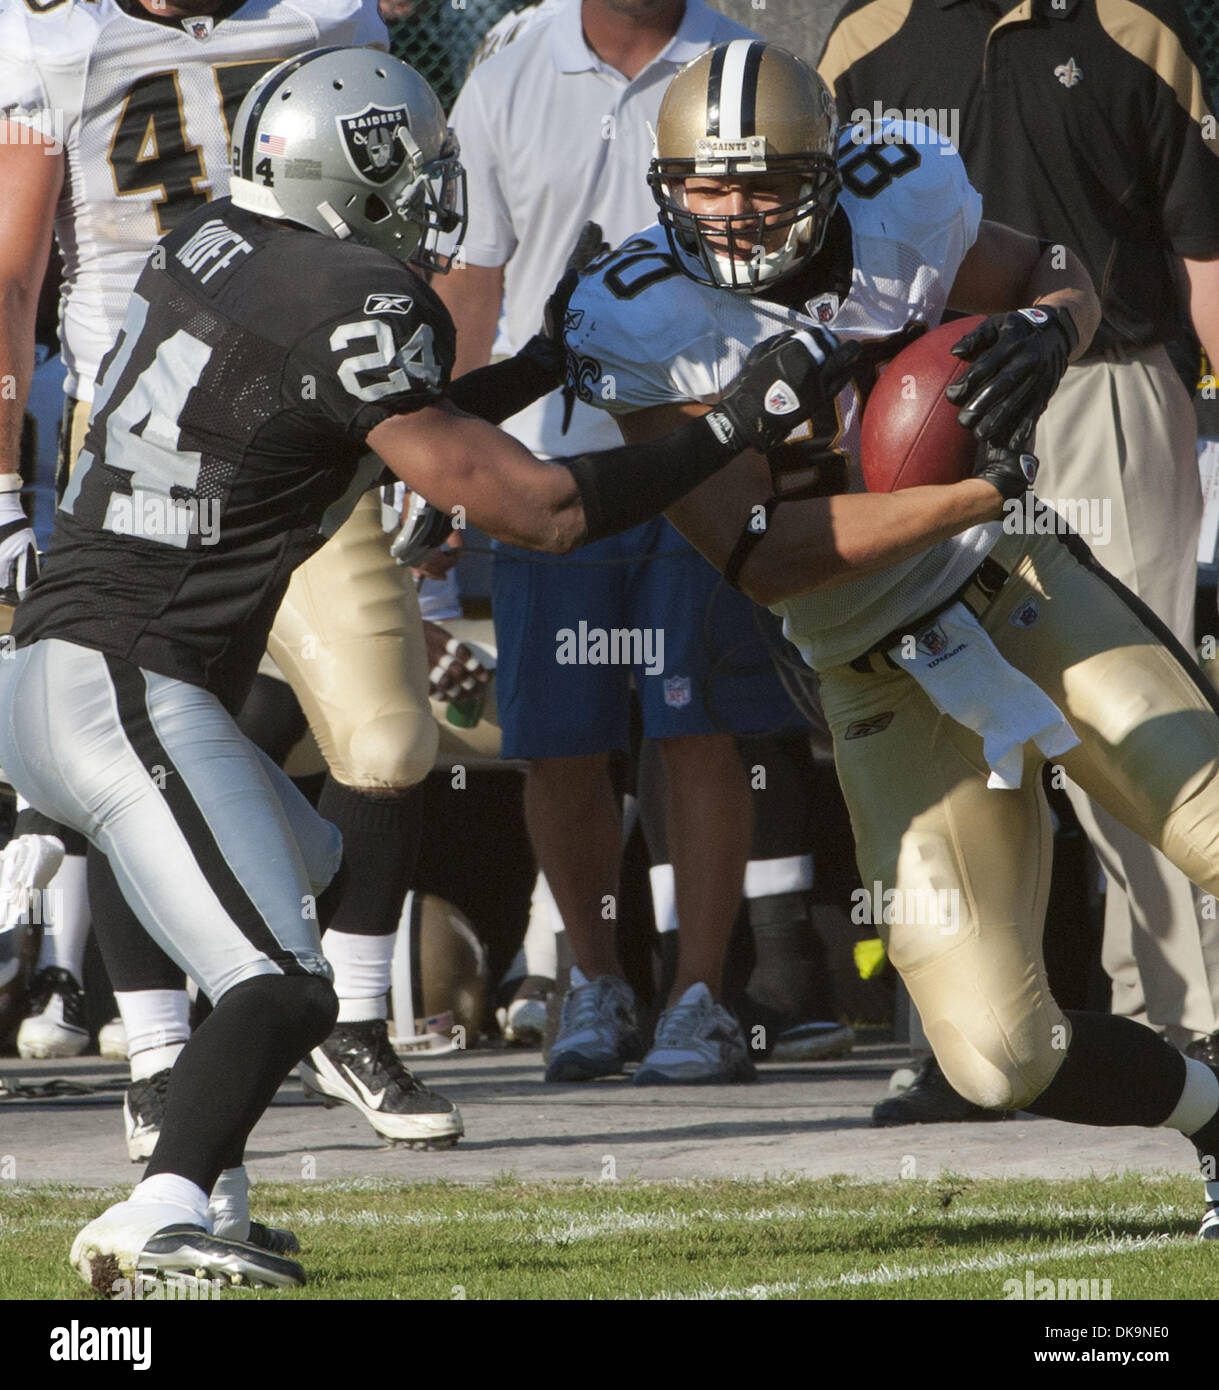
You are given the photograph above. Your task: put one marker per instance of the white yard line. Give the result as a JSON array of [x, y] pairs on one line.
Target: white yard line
[[888, 1274]]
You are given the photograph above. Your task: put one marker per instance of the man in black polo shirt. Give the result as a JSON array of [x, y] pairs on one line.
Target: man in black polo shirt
[[1083, 122]]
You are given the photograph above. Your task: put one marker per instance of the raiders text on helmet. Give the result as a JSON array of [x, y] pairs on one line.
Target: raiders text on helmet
[[743, 108], [352, 143]]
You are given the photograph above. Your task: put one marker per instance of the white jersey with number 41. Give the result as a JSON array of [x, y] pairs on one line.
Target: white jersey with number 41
[[141, 108]]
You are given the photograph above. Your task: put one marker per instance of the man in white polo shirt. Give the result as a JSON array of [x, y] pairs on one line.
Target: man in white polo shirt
[[555, 129]]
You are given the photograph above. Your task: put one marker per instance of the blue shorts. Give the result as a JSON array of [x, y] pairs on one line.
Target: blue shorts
[[572, 631]]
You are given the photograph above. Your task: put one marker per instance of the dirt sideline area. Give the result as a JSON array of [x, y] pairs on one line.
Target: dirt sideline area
[[811, 1119]]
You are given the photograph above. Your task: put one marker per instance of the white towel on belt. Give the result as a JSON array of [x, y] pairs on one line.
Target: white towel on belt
[[967, 678]]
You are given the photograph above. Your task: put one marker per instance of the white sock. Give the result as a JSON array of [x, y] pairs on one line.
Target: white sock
[[151, 1060], [664, 896], [361, 973], [169, 1189], [791, 874], [66, 919], [229, 1207], [1199, 1098], [154, 1018]]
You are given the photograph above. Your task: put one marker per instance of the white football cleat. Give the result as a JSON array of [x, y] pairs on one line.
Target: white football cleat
[[55, 1025], [151, 1238], [143, 1111], [112, 1040]]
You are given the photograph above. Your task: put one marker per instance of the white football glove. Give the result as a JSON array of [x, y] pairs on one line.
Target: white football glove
[[424, 531], [18, 549]]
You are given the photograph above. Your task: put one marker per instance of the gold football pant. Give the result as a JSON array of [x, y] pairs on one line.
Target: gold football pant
[[349, 641], [1120, 432], [963, 871]]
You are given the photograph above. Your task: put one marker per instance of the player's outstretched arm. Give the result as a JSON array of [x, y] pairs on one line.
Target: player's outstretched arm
[[30, 177], [799, 547], [455, 460]]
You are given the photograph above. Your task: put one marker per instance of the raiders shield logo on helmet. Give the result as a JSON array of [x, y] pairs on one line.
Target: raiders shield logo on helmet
[[372, 141]]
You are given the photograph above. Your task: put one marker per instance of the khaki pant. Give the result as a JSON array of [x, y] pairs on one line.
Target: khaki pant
[[927, 826], [1121, 434]]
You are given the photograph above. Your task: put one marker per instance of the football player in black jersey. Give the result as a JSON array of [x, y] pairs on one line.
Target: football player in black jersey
[[271, 343]]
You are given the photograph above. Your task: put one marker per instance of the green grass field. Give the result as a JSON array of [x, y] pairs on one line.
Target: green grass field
[[950, 1239]]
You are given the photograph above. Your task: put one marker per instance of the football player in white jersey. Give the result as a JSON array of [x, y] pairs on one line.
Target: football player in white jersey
[[954, 657], [119, 116]]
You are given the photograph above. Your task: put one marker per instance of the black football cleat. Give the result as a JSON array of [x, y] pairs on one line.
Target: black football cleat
[[1209, 1230], [275, 1240], [930, 1100], [358, 1066], [143, 1111]]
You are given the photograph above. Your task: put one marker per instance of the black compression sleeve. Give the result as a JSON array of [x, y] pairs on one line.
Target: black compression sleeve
[[621, 488], [496, 392]]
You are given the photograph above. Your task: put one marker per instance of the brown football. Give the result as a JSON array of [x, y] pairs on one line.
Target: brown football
[[910, 436]]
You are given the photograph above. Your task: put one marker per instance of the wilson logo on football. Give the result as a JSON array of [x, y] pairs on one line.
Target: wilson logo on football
[[388, 304], [781, 399]]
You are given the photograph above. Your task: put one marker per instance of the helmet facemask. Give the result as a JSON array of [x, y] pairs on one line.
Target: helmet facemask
[[428, 210], [730, 251]]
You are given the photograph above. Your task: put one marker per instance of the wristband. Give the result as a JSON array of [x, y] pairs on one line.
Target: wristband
[[622, 488]]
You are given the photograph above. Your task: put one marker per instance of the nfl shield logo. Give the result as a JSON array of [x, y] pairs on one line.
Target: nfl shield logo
[[825, 309], [199, 26], [932, 640], [677, 691], [371, 139]]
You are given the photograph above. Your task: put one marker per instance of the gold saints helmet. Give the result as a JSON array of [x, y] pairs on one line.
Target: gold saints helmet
[[742, 108]]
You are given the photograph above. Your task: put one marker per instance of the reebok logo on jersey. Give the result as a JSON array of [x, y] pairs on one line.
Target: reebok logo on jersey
[[212, 242], [388, 304], [781, 399]]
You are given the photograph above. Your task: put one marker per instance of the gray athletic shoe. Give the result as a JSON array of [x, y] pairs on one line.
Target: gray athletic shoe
[[698, 1042], [598, 1034]]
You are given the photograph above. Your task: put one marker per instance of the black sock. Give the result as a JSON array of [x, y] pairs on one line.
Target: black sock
[[133, 959], [789, 982], [381, 835], [229, 1072], [1116, 1072]]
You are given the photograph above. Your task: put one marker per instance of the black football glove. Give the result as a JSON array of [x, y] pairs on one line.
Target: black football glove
[[546, 347], [18, 559], [782, 383], [1018, 360], [1011, 472]]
